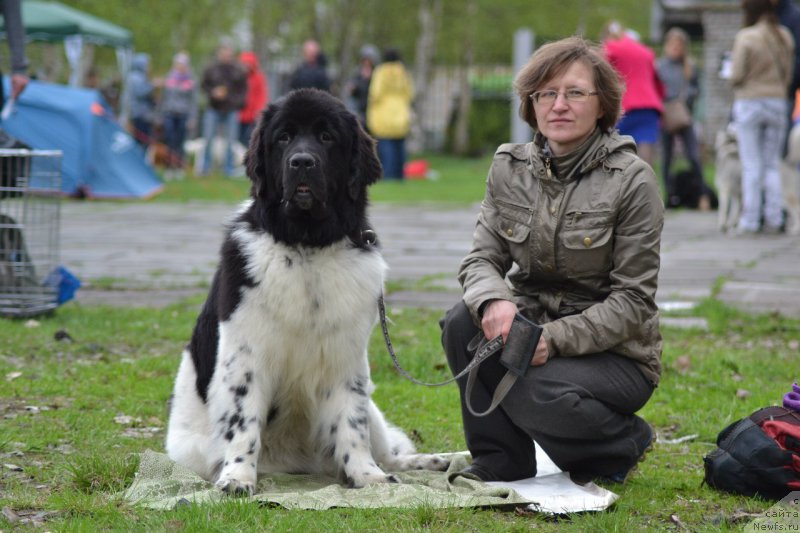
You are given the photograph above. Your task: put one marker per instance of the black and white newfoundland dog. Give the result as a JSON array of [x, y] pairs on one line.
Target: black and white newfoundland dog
[[276, 377]]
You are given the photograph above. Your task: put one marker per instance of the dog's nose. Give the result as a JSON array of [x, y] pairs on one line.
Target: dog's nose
[[302, 161]]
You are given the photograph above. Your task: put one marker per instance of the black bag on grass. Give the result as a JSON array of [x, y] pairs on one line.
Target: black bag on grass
[[758, 455]]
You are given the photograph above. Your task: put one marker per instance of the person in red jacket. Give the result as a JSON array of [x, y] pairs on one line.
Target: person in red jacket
[[642, 104], [257, 96]]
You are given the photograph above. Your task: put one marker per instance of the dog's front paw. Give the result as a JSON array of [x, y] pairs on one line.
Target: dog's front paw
[[235, 487], [432, 462], [370, 478], [417, 461], [237, 481]]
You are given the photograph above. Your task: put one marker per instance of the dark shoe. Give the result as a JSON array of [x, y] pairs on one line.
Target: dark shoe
[[480, 473], [623, 476]]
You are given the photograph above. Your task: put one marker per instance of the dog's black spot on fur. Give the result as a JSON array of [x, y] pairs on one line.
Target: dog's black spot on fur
[[355, 423], [239, 459], [395, 451], [251, 449], [289, 261], [248, 377], [329, 451], [229, 435], [273, 412], [241, 390], [350, 482], [358, 390], [334, 429], [346, 458]]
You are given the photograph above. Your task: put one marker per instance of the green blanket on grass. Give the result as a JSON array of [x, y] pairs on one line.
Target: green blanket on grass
[[161, 483]]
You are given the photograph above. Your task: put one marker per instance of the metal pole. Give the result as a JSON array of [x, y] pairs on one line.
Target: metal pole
[[523, 48]]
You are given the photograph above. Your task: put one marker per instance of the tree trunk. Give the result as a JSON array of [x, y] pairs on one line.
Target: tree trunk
[[461, 139], [429, 14]]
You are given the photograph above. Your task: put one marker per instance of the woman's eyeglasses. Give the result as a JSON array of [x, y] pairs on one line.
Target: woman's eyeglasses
[[572, 95]]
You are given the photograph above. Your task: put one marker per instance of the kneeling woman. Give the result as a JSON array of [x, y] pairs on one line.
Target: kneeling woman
[[568, 235]]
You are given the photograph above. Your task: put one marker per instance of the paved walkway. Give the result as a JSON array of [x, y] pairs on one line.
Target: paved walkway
[[152, 254]]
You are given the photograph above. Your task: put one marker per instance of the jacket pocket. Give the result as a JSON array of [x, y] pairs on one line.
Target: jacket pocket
[[512, 225], [587, 242], [513, 221]]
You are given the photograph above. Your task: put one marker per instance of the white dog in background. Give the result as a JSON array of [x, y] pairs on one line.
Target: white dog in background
[[728, 180], [195, 148], [790, 182]]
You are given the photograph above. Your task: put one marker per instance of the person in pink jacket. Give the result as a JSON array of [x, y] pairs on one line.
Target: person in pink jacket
[[642, 103]]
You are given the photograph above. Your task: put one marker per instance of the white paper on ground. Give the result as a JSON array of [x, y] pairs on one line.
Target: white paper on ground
[[552, 491]]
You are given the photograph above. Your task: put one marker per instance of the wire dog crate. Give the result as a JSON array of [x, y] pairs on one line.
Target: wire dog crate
[[30, 209]]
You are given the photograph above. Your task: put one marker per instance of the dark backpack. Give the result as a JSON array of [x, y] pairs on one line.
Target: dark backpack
[[758, 455]]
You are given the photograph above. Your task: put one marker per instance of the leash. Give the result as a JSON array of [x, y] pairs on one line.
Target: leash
[[483, 350]]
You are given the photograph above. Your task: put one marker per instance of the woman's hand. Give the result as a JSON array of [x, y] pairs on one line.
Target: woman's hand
[[541, 353], [497, 318]]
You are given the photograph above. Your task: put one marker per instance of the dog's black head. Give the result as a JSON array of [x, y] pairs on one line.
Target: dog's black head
[[310, 163]]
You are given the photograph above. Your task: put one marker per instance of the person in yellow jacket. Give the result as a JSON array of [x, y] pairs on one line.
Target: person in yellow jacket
[[389, 112]]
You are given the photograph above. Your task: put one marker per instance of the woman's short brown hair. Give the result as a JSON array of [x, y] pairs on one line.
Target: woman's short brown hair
[[555, 58]]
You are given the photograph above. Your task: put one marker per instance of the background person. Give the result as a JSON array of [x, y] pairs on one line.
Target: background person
[[762, 64], [578, 215], [142, 99], [311, 73], [358, 85], [389, 112], [256, 99], [642, 101], [178, 109], [225, 86], [15, 33], [680, 76]]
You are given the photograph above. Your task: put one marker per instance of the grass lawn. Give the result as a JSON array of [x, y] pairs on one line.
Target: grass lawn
[[452, 180], [75, 413]]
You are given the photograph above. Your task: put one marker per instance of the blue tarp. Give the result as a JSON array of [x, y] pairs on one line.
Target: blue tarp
[[100, 157]]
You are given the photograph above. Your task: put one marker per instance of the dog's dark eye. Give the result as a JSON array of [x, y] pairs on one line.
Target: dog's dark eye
[[284, 137], [325, 137]]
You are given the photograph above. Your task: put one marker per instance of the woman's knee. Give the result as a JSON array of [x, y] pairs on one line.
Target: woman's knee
[[457, 331]]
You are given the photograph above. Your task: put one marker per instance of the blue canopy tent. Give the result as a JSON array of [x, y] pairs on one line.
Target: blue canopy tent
[[100, 158]]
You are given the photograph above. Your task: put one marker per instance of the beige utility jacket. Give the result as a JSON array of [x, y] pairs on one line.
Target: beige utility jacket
[[578, 252]]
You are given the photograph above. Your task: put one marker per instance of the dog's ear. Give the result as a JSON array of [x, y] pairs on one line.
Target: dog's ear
[[365, 167], [255, 160]]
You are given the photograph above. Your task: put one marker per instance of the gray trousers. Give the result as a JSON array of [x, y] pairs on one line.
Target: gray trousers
[[579, 409]]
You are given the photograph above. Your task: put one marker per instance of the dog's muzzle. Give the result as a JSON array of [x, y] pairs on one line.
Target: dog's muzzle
[[303, 171]]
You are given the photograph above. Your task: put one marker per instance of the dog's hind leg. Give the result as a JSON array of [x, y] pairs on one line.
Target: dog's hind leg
[[188, 431], [393, 449]]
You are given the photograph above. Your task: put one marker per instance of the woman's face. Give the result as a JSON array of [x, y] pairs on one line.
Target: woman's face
[[567, 123]]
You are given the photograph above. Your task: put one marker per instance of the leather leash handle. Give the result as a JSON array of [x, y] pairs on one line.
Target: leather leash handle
[[499, 395]]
